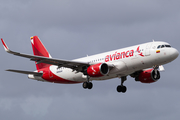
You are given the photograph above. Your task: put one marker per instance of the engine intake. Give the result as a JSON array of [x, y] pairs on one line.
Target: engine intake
[[98, 70]]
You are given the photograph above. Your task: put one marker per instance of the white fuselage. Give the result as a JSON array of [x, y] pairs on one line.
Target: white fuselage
[[123, 61]]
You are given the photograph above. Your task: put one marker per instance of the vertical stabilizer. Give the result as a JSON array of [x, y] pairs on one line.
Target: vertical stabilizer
[[39, 50]]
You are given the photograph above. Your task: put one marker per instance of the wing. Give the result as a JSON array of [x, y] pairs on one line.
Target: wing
[[25, 72], [75, 65]]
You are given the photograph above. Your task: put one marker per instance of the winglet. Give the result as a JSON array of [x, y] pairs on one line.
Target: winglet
[[5, 46]]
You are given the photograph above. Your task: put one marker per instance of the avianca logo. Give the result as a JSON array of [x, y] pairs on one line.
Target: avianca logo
[[121, 55], [94, 71], [139, 52]]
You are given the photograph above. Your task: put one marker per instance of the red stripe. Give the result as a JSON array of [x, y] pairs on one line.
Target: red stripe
[[4, 44]]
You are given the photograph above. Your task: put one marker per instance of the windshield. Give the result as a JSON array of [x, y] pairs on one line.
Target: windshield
[[162, 46]]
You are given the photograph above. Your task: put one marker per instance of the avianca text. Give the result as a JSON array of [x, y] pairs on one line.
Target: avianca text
[[119, 55]]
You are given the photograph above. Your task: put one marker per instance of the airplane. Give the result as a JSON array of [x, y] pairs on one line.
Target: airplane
[[142, 62]]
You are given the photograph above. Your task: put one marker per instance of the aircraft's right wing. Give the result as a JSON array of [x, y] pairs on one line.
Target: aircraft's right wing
[[75, 65]]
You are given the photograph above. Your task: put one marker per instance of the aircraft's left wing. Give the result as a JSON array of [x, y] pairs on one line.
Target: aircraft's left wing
[[26, 72], [75, 65]]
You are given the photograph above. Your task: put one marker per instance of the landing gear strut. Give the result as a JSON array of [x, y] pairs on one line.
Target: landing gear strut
[[87, 84], [122, 88]]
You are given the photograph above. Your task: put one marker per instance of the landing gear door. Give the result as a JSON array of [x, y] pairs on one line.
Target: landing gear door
[[148, 48]]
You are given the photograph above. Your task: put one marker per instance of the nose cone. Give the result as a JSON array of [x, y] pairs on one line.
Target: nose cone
[[174, 53]]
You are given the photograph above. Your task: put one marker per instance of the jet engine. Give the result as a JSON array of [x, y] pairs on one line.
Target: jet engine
[[98, 70], [148, 76]]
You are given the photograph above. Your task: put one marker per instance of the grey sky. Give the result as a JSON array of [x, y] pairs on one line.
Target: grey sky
[[74, 28]]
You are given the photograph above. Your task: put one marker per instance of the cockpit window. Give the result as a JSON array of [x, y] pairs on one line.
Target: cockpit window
[[162, 46], [167, 45], [159, 46]]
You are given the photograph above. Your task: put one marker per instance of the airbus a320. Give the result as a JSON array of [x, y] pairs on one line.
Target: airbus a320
[[143, 62]]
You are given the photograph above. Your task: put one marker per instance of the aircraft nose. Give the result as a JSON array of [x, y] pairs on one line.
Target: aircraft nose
[[174, 53]]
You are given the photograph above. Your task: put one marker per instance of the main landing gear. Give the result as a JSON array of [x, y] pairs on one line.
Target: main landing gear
[[122, 88], [87, 84]]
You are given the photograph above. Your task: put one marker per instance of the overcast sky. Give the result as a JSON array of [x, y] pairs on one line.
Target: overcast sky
[[75, 28]]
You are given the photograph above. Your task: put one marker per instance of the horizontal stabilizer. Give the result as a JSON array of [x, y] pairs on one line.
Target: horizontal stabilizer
[[25, 72]]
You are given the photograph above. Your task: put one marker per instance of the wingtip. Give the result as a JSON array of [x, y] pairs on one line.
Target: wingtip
[[5, 46], [2, 40]]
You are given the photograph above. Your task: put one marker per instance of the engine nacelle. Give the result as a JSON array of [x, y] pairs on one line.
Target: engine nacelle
[[98, 70], [148, 76]]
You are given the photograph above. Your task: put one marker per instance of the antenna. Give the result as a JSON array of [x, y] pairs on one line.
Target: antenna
[[153, 40]]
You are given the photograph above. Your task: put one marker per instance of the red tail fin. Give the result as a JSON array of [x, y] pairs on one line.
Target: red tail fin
[[39, 50]]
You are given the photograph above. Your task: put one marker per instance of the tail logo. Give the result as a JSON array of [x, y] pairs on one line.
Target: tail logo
[[32, 41]]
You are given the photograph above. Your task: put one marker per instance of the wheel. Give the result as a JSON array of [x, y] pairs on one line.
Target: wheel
[[119, 88], [124, 89], [85, 85], [90, 85]]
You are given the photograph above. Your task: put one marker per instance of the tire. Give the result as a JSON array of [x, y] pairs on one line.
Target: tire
[[119, 88], [124, 89], [85, 85], [90, 85]]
